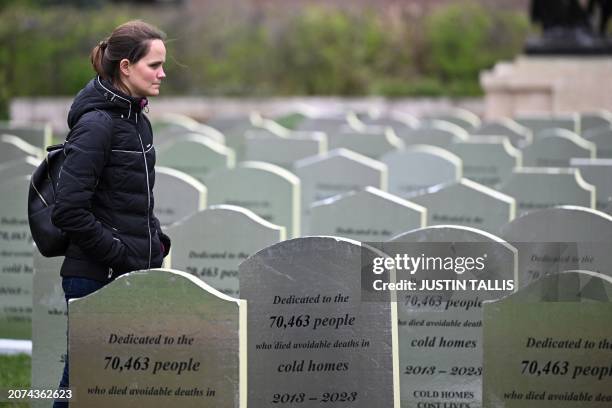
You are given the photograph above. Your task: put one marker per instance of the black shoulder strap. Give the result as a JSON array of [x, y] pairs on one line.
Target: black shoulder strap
[[59, 145], [55, 147]]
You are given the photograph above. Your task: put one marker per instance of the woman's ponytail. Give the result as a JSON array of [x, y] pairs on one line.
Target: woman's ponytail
[[97, 58]]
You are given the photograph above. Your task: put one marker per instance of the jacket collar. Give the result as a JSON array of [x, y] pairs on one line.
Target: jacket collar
[[134, 105]]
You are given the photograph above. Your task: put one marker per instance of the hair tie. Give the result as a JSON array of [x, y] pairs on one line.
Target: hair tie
[[103, 44]]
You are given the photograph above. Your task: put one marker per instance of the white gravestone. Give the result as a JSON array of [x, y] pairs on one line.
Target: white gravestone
[[366, 215], [323, 124], [269, 125], [19, 167], [271, 192], [260, 129], [212, 243], [398, 115], [594, 120], [371, 141], [602, 137], [233, 128], [440, 318], [399, 124], [157, 338], [518, 135], [597, 172], [312, 341], [420, 166], [336, 172], [173, 126], [286, 150], [177, 195], [13, 148], [488, 160], [535, 188], [195, 155], [49, 325], [537, 123], [466, 203], [559, 239], [457, 116], [435, 133], [39, 136], [16, 261], [549, 344], [555, 148]]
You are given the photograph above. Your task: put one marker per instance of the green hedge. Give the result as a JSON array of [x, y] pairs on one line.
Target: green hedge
[[241, 50]]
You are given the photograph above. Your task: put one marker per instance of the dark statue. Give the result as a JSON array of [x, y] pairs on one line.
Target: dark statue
[[571, 27]]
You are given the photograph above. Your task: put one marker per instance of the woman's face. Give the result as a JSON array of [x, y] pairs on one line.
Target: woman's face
[[143, 78]]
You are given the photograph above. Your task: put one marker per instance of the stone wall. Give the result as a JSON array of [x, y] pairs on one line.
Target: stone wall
[[55, 110]]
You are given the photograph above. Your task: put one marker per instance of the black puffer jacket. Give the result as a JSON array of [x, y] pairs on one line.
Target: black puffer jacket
[[104, 198]]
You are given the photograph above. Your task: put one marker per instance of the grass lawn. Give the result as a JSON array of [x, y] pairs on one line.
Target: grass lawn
[[15, 373]]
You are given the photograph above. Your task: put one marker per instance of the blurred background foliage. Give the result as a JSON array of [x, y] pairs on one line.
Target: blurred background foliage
[[242, 49]]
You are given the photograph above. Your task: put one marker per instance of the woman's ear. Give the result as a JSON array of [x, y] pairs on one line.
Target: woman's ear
[[124, 67]]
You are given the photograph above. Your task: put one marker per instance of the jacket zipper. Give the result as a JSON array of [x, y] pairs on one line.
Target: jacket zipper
[[144, 156]]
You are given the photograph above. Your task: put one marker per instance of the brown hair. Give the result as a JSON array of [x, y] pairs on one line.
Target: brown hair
[[131, 40]]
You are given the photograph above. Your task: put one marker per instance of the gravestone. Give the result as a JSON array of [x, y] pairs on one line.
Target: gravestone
[[466, 203], [435, 133], [371, 141], [13, 148], [49, 325], [271, 192], [535, 188], [196, 156], [312, 341], [538, 123], [327, 125], [233, 128], [488, 160], [546, 346], [602, 137], [283, 151], [457, 116], [555, 148], [157, 338], [177, 195], [597, 172], [366, 215], [38, 135], [336, 172], [19, 167], [211, 244], [403, 117], [594, 120], [269, 125], [399, 123], [417, 167], [173, 126], [559, 239], [440, 317], [16, 261], [518, 135]]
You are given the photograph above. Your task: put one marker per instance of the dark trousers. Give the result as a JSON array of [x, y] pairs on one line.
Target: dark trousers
[[74, 288]]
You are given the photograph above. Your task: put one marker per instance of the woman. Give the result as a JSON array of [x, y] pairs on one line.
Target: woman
[[104, 199]]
